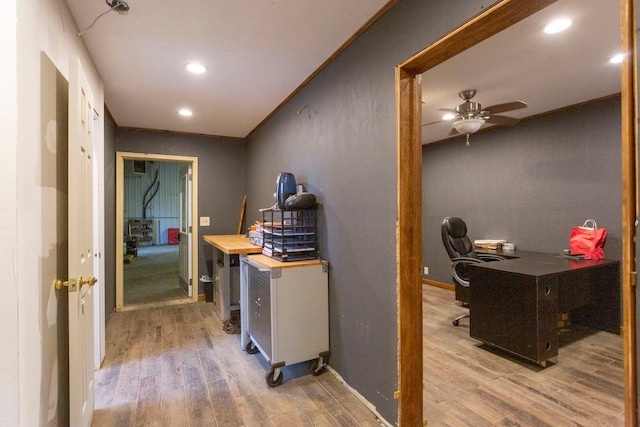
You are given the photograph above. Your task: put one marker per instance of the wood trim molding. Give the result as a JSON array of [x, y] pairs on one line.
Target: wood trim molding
[[440, 285], [495, 19], [409, 248], [630, 198], [121, 156], [329, 60]]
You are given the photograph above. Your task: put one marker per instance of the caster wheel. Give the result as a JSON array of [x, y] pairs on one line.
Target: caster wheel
[[271, 381], [455, 322], [313, 368], [251, 348]]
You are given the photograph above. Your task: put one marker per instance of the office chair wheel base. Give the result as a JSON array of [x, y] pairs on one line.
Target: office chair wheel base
[[456, 321]]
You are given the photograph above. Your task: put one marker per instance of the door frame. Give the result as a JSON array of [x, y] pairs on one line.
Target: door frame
[[186, 172], [121, 156], [409, 163]]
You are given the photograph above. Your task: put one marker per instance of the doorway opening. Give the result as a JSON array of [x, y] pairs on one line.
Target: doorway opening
[[156, 230], [408, 92]]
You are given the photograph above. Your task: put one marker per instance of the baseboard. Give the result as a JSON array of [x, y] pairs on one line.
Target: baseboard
[[442, 285], [360, 397]]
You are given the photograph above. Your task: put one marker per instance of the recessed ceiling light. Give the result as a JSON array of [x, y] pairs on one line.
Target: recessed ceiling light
[[449, 116], [196, 68], [557, 26], [616, 59], [186, 113]]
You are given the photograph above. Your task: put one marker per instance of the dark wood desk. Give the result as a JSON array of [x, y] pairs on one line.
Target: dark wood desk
[[515, 303]]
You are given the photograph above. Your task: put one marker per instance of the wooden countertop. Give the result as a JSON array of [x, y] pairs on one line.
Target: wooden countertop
[[233, 244], [274, 263]]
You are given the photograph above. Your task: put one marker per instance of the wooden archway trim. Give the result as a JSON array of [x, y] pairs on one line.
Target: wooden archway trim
[[629, 113], [409, 227]]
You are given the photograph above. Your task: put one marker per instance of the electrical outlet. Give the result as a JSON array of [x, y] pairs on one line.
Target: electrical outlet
[[205, 221], [426, 271]]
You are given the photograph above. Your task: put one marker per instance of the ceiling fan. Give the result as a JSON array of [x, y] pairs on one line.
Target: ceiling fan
[[469, 117]]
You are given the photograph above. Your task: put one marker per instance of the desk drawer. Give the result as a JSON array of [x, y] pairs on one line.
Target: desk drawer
[[515, 312]]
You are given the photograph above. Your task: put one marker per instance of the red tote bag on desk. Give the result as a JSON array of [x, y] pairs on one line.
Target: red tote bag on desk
[[588, 240]]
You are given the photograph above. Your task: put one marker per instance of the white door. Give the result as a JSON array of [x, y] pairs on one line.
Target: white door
[[81, 249], [185, 230]]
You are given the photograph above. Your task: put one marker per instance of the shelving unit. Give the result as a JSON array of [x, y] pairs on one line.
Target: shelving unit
[[290, 235], [141, 230]]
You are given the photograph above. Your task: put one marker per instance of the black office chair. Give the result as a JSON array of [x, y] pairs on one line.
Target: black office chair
[[460, 250]]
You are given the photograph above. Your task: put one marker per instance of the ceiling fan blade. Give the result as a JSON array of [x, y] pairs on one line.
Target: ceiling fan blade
[[433, 123], [503, 120], [507, 106]]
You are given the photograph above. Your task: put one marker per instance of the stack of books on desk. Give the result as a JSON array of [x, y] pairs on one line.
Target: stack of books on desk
[[489, 244]]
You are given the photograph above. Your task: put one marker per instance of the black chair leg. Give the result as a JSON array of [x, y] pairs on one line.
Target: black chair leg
[[456, 321]]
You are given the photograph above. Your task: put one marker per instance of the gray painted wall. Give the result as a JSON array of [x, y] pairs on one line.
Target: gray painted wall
[[109, 215], [221, 177], [529, 184], [343, 147]]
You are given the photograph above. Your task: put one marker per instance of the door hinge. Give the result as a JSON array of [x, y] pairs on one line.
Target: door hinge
[[634, 278]]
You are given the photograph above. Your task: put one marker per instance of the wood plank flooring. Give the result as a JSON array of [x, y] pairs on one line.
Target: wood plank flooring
[[469, 384], [175, 366]]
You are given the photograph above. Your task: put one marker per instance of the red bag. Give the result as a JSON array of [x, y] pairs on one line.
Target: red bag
[[588, 240]]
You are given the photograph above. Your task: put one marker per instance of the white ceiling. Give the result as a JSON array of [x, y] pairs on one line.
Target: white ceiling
[[524, 64], [258, 53]]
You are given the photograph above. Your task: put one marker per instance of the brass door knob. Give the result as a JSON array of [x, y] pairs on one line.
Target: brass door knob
[[73, 284], [88, 281]]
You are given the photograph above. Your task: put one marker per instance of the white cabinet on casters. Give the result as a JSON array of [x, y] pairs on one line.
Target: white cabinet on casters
[[284, 309]]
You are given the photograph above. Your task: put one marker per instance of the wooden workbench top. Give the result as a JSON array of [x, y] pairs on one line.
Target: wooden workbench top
[[233, 244], [274, 263]]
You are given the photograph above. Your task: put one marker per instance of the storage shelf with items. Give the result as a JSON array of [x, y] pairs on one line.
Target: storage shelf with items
[[290, 235], [141, 230]]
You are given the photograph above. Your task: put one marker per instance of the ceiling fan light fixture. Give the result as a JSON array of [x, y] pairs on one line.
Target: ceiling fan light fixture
[[557, 26], [467, 126]]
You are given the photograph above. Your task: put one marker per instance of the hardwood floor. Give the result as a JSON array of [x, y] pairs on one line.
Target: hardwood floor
[[175, 366], [469, 384]]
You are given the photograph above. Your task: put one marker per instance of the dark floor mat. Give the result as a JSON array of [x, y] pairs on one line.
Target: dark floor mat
[[232, 326]]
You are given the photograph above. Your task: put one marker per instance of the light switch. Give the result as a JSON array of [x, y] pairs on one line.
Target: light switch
[[205, 221]]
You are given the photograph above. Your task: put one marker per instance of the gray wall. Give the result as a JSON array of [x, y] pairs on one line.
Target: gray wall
[[529, 184], [343, 147], [109, 215], [221, 177]]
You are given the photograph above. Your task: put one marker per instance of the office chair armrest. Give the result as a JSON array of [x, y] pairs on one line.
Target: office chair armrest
[[491, 257], [461, 261]]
